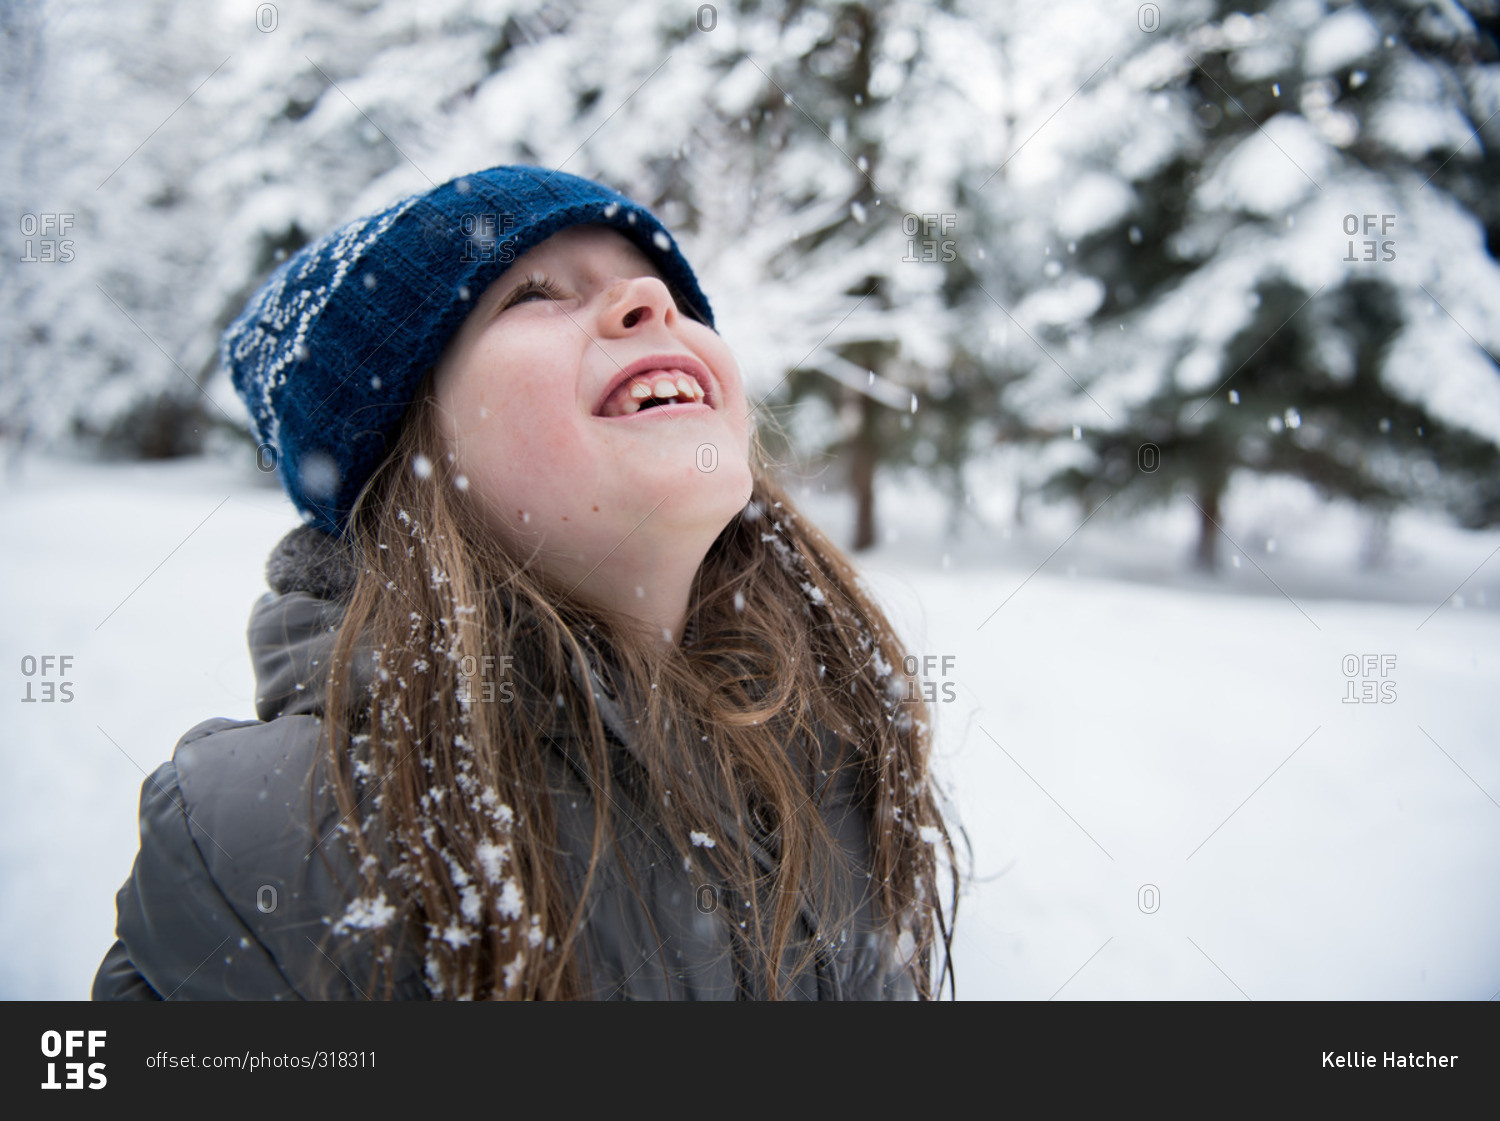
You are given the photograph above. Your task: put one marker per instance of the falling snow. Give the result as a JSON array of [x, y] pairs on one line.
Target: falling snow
[[366, 914]]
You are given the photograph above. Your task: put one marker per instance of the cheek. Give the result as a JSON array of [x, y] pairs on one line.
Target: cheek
[[737, 402], [520, 448], [522, 458]]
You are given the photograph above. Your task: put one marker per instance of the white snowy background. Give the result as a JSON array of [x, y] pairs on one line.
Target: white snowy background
[[1165, 791], [1112, 717]]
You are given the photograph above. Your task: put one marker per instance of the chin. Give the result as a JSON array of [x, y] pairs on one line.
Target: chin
[[732, 498], [705, 498]]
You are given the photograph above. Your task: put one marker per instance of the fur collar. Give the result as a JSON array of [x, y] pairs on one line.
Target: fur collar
[[322, 566], [311, 561]]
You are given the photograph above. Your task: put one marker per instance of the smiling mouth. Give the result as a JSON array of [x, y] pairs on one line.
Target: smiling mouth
[[654, 389]]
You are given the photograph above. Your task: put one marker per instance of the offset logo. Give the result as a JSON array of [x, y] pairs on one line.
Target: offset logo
[[1370, 225], [41, 672], [925, 687], [47, 237], [1361, 667], [66, 1045]]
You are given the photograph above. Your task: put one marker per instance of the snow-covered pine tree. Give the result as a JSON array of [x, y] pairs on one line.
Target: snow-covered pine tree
[[193, 151], [796, 93], [1297, 285], [859, 125], [98, 344]]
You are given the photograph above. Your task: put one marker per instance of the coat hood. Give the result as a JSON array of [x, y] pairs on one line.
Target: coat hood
[[293, 628]]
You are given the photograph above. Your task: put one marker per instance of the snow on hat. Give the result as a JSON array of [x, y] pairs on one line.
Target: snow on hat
[[329, 353]]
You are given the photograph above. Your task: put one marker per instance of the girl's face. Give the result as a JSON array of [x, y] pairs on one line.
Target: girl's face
[[584, 407]]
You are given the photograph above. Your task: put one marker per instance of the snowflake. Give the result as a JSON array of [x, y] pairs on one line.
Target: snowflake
[[365, 914], [510, 904], [492, 858], [458, 936]]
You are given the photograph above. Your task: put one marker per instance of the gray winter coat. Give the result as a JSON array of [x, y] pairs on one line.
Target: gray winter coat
[[237, 882]]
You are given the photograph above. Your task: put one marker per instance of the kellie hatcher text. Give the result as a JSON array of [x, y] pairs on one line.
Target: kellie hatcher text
[[1387, 1059]]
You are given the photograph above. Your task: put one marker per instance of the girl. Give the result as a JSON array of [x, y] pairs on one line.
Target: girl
[[559, 696]]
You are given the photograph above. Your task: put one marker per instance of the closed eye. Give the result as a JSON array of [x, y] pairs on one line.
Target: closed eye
[[534, 285], [537, 284]]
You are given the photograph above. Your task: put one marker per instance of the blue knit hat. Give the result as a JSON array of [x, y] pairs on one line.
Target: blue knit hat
[[329, 353]]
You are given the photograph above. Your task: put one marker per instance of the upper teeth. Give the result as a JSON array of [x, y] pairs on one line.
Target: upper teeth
[[662, 384]]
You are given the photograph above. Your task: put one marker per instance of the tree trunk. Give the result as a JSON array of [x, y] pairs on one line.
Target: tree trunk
[[1375, 553], [1207, 558], [862, 475]]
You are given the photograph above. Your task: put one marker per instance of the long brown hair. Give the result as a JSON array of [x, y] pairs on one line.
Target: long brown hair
[[457, 666]]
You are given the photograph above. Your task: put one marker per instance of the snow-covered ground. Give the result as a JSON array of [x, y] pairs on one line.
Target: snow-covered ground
[[1165, 790]]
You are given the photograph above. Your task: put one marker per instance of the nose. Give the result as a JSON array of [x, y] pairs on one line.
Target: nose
[[637, 301]]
